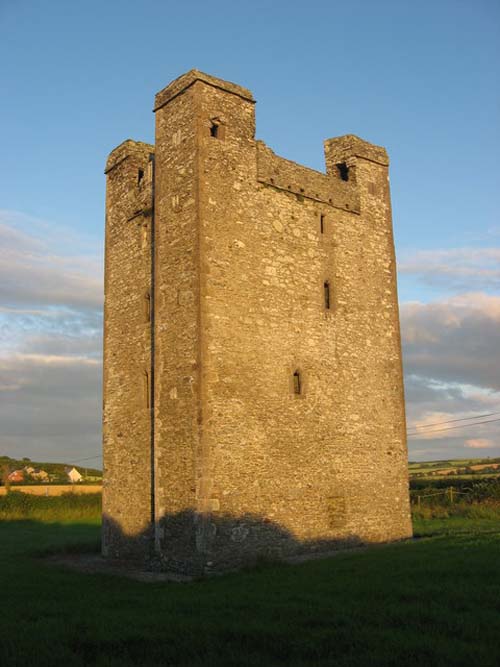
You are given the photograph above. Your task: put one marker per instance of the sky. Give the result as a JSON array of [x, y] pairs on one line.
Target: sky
[[420, 79]]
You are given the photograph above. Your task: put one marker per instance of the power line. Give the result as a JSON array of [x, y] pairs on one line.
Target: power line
[[463, 419], [410, 433], [449, 428], [88, 458]]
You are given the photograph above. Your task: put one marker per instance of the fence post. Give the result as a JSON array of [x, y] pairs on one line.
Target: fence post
[[451, 494]]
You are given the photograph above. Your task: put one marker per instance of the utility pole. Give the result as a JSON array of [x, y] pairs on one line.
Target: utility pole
[[5, 477]]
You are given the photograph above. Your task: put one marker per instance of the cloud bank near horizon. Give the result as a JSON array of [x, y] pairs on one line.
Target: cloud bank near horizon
[[50, 356], [454, 269], [51, 334]]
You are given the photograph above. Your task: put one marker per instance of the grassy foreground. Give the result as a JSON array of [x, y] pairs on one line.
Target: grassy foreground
[[435, 601]]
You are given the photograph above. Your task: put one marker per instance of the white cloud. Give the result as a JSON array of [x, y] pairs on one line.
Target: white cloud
[[428, 425], [49, 360], [480, 443], [458, 269]]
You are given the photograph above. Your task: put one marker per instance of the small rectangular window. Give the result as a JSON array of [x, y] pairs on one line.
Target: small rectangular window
[[343, 170], [217, 129]]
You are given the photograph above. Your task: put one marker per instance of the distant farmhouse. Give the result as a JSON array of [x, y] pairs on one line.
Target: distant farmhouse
[[253, 389], [27, 474], [24, 471], [37, 474], [16, 476]]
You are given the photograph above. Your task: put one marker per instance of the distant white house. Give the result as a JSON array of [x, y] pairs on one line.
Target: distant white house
[[74, 476]]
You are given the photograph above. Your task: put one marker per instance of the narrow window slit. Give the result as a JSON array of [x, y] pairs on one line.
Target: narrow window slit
[[147, 307], [150, 168], [322, 223], [297, 388], [214, 130], [146, 390], [326, 291], [140, 176]]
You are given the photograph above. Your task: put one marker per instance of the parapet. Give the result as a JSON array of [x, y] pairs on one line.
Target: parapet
[[184, 81], [126, 149], [303, 182]]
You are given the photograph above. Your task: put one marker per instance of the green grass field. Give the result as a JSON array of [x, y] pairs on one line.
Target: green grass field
[[433, 601]]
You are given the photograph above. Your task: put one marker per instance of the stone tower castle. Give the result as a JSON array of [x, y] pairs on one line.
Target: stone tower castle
[[253, 392]]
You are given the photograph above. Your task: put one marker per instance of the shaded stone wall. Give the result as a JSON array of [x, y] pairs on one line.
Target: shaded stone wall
[[245, 242], [127, 488], [177, 329]]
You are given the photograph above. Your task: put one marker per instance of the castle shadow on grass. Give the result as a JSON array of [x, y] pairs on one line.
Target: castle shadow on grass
[[194, 545]]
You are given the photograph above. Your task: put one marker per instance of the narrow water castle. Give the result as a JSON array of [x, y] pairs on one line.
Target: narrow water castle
[[253, 390]]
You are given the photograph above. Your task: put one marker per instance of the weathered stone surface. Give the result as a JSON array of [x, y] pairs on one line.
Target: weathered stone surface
[[221, 461], [127, 351]]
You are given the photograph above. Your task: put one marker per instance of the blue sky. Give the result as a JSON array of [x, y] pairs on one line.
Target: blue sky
[[418, 78]]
